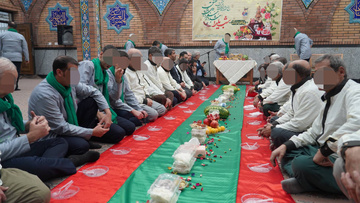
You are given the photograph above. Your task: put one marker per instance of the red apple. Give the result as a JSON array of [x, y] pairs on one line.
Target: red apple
[[199, 122], [207, 121], [214, 124]]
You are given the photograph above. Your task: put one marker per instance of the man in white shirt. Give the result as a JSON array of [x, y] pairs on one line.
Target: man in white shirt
[[140, 87], [308, 157], [156, 88], [305, 104]]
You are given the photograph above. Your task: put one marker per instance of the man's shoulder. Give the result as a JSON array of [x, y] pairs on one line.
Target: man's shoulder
[[86, 63], [43, 91]]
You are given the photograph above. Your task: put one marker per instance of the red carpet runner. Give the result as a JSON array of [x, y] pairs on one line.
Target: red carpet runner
[[101, 189], [251, 182]]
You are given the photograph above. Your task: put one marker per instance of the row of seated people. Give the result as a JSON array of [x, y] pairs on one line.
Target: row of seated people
[[78, 103], [313, 123]]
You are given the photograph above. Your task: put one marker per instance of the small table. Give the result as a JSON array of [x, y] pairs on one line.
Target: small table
[[233, 71]]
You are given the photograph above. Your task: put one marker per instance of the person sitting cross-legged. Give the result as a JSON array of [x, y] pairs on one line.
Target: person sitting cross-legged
[[175, 71], [191, 71], [141, 88], [55, 98], [44, 158], [308, 157], [94, 73]]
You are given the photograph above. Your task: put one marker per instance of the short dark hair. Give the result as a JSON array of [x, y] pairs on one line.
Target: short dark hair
[[153, 50], [107, 47], [192, 61], [228, 34], [183, 61], [12, 24], [123, 53], [155, 43], [183, 53], [61, 62], [301, 70], [168, 51], [283, 60]]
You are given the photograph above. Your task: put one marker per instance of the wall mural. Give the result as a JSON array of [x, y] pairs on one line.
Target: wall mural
[[85, 29], [244, 20], [118, 16], [160, 5], [58, 15], [354, 11], [26, 4]]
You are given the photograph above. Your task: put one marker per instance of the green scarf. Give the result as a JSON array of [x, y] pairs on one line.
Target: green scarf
[[160, 45], [226, 47], [13, 112], [295, 36], [66, 94], [12, 30], [112, 69], [102, 78], [131, 42]]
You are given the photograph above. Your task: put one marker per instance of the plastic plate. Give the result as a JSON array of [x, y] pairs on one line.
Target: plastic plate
[[188, 111], [189, 103], [170, 117], [65, 194], [256, 198], [249, 107], [154, 128], [250, 146], [120, 150], [253, 136], [260, 168], [203, 98], [141, 137], [95, 171], [254, 122], [183, 106], [254, 114]]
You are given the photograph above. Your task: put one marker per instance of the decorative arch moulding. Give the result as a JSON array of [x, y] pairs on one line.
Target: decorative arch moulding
[[58, 15], [118, 16]]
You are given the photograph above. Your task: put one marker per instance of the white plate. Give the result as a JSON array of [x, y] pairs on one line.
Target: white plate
[[95, 171], [141, 137], [65, 194], [188, 111], [253, 136], [203, 98], [120, 150], [170, 117], [254, 122], [154, 128], [256, 198], [254, 114], [260, 168], [250, 146], [189, 103], [183, 106]]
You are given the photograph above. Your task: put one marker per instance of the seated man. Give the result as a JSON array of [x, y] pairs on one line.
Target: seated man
[[93, 73], [151, 76], [308, 157], [42, 158], [140, 87], [55, 98], [182, 67], [20, 186], [346, 167], [124, 101], [191, 71], [305, 104], [200, 68], [175, 73], [168, 82], [281, 92]]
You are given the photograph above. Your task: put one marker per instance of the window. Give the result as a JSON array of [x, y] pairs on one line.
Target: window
[[4, 18]]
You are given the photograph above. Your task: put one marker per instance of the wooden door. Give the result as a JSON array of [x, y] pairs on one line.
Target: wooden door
[[25, 30]]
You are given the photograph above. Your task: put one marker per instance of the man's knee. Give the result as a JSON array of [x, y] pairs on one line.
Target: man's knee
[[152, 115], [302, 165], [42, 194]]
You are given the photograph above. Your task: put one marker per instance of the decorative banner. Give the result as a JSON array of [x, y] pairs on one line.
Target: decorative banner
[[160, 5], [58, 15], [307, 3], [26, 4], [85, 29], [118, 16], [354, 10], [244, 20]]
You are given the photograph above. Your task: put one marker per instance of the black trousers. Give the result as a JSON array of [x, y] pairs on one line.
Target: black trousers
[[18, 68], [86, 114]]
